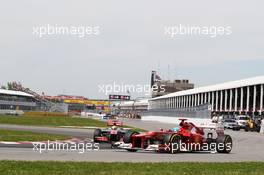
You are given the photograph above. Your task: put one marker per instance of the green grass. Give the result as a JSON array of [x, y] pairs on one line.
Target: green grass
[[135, 129], [9, 135], [54, 121], [85, 168], [50, 121]]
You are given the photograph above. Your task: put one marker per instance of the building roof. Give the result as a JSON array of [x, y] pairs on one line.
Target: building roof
[[136, 103], [18, 93], [217, 87], [142, 102]]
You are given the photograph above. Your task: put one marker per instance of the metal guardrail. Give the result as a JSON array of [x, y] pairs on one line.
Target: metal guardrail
[[11, 112]]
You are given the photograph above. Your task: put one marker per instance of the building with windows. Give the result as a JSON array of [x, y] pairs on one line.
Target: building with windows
[[16, 100], [171, 86], [236, 97], [164, 87]]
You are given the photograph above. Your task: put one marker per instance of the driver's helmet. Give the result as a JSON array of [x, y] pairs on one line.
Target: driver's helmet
[[175, 129], [114, 128]]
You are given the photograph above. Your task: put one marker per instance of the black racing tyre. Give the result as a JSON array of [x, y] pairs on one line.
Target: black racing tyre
[[174, 143], [128, 135], [246, 128], [167, 138], [258, 128], [97, 133], [224, 144]]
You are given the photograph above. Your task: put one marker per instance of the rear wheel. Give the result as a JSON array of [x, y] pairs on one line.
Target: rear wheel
[[258, 128], [238, 128], [246, 128], [224, 144]]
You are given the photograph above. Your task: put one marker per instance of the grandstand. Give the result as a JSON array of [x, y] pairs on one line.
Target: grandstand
[[132, 108], [16, 101], [236, 97], [41, 103]]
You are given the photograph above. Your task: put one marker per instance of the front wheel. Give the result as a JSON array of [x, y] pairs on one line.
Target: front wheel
[[128, 136], [172, 143], [175, 141]]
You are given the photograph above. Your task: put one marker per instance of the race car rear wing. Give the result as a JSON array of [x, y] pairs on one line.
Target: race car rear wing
[[114, 123], [219, 128]]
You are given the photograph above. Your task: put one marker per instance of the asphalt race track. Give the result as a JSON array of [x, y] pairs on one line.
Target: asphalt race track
[[248, 146]]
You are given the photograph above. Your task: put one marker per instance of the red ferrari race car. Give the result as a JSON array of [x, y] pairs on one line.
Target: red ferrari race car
[[111, 122], [110, 135], [188, 137]]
